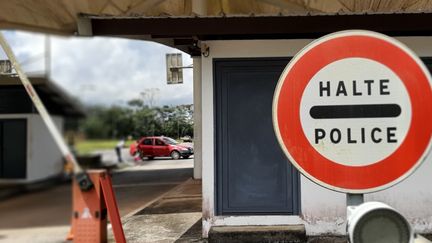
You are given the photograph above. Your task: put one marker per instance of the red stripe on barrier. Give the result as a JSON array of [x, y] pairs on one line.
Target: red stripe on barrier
[[111, 205], [30, 90]]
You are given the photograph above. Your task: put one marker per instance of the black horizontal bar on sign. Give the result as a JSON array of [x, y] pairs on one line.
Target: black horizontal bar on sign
[[355, 111]]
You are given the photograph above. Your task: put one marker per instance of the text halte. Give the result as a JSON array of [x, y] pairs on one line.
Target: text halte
[[358, 88]]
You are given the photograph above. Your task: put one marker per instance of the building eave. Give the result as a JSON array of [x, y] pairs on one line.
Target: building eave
[[185, 32]]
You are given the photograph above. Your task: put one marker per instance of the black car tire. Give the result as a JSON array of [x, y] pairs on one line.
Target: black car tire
[[175, 154]]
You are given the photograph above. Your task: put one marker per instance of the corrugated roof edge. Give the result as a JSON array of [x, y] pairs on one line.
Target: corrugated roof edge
[[135, 16]]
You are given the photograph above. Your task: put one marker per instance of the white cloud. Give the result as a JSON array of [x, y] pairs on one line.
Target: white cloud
[[105, 70]]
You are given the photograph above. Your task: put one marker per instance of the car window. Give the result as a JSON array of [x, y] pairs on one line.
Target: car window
[[159, 142], [147, 141], [170, 141]]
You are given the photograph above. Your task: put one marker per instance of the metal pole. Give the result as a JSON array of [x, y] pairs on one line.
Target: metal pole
[[354, 199], [82, 178], [47, 56]]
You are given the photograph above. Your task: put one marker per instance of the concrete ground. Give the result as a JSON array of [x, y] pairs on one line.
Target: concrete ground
[[157, 200], [44, 215], [174, 217]]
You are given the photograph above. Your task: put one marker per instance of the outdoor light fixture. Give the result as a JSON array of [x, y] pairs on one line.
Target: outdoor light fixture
[[376, 222]]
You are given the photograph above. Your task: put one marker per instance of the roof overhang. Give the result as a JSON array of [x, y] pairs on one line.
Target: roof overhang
[[182, 23], [58, 101], [185, 32], [60, 16]]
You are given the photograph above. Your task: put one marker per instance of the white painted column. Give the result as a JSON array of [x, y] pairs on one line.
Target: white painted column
[[197, 97], [199, 8], [208, 182]]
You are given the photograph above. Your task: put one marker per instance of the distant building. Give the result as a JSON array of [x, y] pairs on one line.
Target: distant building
[[28, 152]]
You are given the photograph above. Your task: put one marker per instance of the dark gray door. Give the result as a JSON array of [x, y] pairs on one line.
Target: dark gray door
[[253, 175], [13, 149]]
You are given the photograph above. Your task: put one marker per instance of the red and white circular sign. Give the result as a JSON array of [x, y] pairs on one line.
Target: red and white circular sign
[[353, 111]]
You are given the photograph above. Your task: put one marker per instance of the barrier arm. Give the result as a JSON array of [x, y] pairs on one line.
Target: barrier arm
[[81, 176]]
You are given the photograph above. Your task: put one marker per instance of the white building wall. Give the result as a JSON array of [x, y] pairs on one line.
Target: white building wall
[[323, 211], [44, 156]]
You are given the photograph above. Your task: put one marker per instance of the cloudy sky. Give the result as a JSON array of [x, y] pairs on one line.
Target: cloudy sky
[[103, 71]]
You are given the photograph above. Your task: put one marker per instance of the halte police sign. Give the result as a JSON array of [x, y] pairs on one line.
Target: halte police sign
[[353, 111]]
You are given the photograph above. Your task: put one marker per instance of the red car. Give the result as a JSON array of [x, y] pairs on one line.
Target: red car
[[151, 147]]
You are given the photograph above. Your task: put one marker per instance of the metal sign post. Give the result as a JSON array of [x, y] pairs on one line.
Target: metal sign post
[[81, 177], [352, 201]]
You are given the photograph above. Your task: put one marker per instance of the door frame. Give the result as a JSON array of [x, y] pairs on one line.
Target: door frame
[[235, 49]]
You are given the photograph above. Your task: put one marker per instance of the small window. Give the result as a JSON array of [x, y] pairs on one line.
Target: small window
[[159, 142], [147, 141]]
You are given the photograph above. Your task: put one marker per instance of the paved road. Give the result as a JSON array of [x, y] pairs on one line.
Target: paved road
[[44, 216]]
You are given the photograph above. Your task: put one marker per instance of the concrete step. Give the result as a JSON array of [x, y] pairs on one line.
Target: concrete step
[[279, 233]]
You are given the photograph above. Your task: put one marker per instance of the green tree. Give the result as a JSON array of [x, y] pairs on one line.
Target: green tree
[[138, 119]]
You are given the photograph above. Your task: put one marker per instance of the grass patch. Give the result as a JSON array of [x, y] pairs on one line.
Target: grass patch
[[89, 146]]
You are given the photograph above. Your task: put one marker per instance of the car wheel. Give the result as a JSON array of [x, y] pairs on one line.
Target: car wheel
[[186, 157], [175, 155]]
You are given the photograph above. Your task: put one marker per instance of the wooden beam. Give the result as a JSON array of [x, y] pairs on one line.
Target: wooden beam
[[263, 27]]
